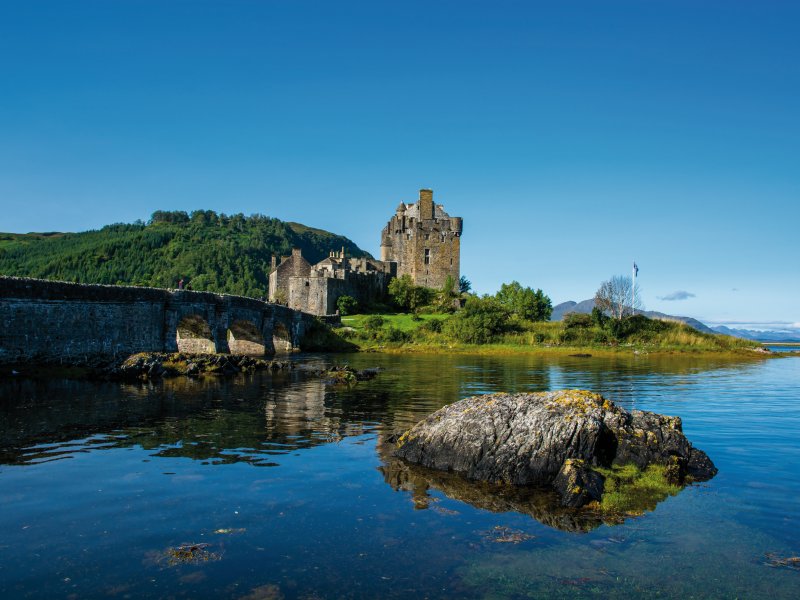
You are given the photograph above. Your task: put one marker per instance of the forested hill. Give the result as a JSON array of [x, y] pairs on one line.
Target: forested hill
[[214, 252]]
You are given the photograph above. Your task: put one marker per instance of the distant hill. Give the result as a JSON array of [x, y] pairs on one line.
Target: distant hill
[[759, 336], [587, 305], [213, 252]]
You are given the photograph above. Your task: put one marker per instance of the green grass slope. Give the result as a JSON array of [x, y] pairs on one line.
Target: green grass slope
[[213, 252]]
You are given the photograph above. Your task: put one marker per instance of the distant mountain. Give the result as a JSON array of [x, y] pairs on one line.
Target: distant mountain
[[759, 336], [571, 306], [210, 251], [587, 305]]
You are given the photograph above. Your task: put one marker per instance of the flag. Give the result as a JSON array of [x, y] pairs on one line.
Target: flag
[[635, 270]]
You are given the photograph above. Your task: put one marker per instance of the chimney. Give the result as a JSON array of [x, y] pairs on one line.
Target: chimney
[[426, 208]]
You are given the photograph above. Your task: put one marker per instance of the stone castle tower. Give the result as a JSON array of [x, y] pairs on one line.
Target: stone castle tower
[[424, 241]]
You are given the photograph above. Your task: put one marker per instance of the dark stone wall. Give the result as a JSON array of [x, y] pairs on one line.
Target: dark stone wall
[[50, 321], [290, 266], [318, 294], [73, 329]]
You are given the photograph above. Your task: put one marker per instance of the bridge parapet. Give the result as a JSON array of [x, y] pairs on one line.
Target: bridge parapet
[[69, 322]]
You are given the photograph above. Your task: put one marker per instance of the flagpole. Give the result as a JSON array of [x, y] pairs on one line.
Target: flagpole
[[633, 291]]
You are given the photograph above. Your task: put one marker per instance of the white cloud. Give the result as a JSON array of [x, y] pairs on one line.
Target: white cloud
[[677, 295]]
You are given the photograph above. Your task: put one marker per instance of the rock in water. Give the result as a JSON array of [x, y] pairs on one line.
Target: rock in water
[[531, 439]]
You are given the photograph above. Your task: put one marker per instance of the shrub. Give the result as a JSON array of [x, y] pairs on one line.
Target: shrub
[[572, 320], [393, 334], [347, 305], [374, 323], [599, 318], [638, 325], [481, 321], [432, 326]]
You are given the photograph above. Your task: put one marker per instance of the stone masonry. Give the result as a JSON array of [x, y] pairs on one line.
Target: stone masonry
[[53, 321]]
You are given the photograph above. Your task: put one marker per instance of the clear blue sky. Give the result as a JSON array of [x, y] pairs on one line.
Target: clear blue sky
[[573, 137]]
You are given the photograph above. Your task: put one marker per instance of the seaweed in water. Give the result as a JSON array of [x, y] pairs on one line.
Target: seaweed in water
[[788, 562], [190, 554], [505, 535]]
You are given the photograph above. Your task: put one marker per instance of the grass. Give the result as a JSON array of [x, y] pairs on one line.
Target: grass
[[401, 321]]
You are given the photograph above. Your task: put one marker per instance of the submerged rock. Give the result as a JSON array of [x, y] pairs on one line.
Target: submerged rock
[[160, 365], [550, 438], [347, 375]]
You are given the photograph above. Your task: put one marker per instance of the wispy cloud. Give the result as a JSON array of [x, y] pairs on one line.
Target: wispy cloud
[[679, 295]]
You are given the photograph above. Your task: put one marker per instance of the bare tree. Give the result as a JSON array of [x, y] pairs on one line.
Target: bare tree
[[615, 297]]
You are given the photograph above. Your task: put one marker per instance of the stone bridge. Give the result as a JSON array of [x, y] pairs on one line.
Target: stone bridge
[[71, 322]]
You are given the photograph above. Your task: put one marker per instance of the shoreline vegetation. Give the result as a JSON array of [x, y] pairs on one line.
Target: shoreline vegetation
[[578, 335]]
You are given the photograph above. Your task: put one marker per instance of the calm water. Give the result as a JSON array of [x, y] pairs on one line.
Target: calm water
[[288, 484], [783, 347]]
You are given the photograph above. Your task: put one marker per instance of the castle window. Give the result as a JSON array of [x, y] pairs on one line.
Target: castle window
[[451, 262], [427, 236], [427, 256]]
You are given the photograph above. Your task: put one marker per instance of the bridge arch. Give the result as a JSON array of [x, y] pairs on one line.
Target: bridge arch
[[73, 322], [194, 335], [281, 338], [245, 338]]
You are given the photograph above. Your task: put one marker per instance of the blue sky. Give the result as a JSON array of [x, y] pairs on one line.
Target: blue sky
[[573, 137]]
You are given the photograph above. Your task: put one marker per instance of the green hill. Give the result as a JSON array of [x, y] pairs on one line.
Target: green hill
[[214, 252]]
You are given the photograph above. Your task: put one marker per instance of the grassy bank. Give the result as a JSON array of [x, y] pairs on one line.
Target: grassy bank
[[406, 333]]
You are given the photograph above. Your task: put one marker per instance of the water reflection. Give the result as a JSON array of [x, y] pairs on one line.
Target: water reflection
[[542, 504], [136, 469], [248, 419], [253, 418]]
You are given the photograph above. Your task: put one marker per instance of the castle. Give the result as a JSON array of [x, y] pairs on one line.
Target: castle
[[420, 240]]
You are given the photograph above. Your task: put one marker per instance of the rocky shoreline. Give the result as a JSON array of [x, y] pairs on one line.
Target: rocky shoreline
[[158, 365], [155, 366]]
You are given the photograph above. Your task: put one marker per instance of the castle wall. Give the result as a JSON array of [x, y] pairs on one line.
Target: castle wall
[[318, 294], [290, 266]]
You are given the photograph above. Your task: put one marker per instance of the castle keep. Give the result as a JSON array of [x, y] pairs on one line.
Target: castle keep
[[424, 241], [420, 240]]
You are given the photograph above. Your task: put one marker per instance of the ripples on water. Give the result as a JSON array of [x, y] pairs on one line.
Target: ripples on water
[[289, 484]]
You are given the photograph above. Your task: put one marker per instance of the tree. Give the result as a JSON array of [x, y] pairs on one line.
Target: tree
[[408, 296], [525, 303], [347, 305], [615, 295], [446, 297], [464, 285]]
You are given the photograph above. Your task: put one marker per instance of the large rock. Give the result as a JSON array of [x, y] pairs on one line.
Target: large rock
[[527, 439]]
